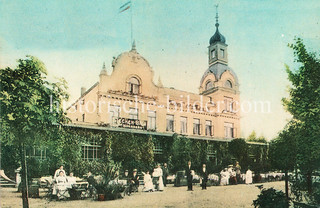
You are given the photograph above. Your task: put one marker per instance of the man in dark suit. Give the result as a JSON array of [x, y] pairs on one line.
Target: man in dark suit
[[204, 176], [165, 173], [189, 176]]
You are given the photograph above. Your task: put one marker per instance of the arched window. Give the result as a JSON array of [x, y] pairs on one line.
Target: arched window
[[209, 85], [228, 84], [134, 86]]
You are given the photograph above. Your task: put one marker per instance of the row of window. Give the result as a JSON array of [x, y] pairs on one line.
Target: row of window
[[151, 122]]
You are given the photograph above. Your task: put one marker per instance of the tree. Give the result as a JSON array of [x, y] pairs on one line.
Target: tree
[[26, 110], [239, 149], [282, 152], [253, 138], [303, 104]]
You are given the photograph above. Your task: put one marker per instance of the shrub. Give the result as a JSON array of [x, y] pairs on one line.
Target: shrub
[[271, 198]]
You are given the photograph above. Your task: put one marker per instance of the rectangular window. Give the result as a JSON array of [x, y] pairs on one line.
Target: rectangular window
[[229, 130], [228, 104], [209, 131], [36, 152], [133, 114], [213, 53], [114, 112], [196, 126], [157, 148], [152, 120], [91, 150], [183, 125], [170, 123], [83, 117], [222, 53]]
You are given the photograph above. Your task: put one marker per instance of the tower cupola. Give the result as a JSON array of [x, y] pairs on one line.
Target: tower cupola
[[218, 47]]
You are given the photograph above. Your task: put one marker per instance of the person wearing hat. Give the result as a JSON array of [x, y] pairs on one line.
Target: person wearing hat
[[135, 180]]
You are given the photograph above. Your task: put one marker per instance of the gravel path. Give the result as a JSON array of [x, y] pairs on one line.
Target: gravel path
[[215, 196]]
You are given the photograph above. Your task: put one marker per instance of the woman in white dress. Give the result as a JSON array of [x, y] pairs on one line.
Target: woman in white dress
[[248, 176], [61, 186], [224, 177], [157, 172], [147, 180]]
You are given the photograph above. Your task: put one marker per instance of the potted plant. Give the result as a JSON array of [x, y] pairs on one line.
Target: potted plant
[[100, 191]]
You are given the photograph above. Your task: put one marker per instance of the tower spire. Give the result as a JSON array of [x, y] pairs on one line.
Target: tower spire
[[217, 16]]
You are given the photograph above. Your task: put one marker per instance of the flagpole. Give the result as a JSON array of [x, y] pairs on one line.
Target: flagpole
[[131, 22]]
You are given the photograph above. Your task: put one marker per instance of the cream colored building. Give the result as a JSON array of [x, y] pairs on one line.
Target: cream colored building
[[129, 99]]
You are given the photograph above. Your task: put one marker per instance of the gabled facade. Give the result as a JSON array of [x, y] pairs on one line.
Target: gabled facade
[[129, 99]]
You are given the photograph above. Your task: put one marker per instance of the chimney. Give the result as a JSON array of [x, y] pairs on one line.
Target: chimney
[[83, 90]]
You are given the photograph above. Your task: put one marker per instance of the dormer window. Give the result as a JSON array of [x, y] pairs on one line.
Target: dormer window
[[134, 86], [209, 85], [228, 84]]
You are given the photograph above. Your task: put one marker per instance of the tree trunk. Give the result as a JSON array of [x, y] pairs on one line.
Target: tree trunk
[[24, 177], [309, 182], [286, 184]]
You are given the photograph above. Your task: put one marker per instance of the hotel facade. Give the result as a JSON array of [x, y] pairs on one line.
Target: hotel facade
[[127, 99]]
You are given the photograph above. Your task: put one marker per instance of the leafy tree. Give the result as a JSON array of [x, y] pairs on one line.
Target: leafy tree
[[304, 105], [239, 149], [282, 152], [26, 110], [253, 138]]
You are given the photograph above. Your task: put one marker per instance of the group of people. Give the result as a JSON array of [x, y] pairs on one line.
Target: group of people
[[152, 182], [61, 183], [203, 176], [232, 175]]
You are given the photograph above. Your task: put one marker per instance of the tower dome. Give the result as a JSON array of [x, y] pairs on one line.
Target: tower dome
[[217, 37]]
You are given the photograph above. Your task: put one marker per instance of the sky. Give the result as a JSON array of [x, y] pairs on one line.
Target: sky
[[73, 38]]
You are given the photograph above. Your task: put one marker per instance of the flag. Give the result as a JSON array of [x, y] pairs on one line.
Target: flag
[[125, 7]]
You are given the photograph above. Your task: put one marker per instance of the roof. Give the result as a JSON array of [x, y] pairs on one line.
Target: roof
[[218, 69], [217, 37]]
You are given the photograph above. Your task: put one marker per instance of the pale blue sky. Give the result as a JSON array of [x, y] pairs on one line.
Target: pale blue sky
[[73, 38]]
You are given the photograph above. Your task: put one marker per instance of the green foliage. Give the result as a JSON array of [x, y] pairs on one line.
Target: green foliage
[[282, 150], [271, 198], [239, 149], [304, 105], [25, 100], [9, 159], [132, 150], [253, 138], [181, 149]]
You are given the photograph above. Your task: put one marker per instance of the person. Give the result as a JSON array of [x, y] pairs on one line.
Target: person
[[60, 187], [238, 172], [57, 172], [135, 180], [165, 172], [248, 176], [157, 173], [147, 180], [204, 176], [224, 177], [128, 188], [189, 176], [71, 180], [232, 175]]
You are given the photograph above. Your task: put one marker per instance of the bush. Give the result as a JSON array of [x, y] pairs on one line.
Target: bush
[[271, 198]]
